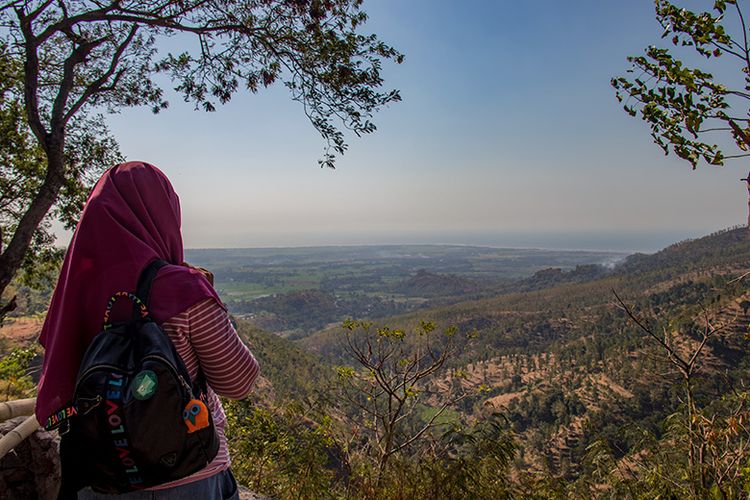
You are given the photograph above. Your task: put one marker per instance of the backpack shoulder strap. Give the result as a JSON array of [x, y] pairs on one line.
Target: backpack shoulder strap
[[143, 291]]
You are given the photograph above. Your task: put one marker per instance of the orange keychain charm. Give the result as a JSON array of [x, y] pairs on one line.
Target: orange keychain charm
[[195, 415]]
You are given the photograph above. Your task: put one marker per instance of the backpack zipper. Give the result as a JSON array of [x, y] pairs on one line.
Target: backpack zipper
[[179, 377], [164, 360], [99, 367]]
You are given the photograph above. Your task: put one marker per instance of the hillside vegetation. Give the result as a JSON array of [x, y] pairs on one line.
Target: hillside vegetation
[[546, 387], [298, 291], [575, 375]]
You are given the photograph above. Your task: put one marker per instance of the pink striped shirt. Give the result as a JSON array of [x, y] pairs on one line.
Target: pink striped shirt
[[204, 336]]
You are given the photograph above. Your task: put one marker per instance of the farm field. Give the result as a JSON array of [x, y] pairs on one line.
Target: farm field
[[294, 291]]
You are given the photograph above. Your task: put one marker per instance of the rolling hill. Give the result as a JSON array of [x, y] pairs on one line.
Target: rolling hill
[[567, 365]]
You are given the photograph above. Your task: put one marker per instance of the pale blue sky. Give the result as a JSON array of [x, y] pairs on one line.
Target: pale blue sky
[[508, 130]]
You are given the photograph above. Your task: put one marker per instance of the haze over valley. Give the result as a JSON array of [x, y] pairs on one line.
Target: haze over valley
[[294, 291]]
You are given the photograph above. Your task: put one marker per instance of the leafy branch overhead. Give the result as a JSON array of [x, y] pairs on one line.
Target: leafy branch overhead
[[105, 54], [65, 61], [688, 109], [89, 149]]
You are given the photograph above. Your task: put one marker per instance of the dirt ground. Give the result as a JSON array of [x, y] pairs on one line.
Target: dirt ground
[[21, 332]]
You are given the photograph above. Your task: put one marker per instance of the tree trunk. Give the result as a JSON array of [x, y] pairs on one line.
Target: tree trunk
[[14, 253], [691, 432]]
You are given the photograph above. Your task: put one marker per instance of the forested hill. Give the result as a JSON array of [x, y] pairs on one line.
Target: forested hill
[[719, 256], [287, 372], [569, 368], [722, 251]]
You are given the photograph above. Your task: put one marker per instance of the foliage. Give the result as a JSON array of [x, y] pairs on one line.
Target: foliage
[[283, 452], [314, 444], [15, 364], [683, 105], [709, 439], [34, 300], [471, 462], [279, 451], [14, 377], [79, 57], [594, 406], [293, 373], [568, 368], [105, 55], [479, 458], [661, 465], [89, 150]]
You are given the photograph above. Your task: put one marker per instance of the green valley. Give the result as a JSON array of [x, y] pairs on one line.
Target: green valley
[[477, 372], [296, 291]]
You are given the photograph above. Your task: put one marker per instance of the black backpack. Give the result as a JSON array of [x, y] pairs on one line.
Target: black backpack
[[137, 420]]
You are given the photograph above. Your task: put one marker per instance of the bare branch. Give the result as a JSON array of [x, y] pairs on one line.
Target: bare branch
[[430, 424], [746, 48], [740, 278], [682, 364]]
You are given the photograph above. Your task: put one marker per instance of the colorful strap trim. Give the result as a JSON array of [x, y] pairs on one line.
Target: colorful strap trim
[[141, 306], [59, 417]]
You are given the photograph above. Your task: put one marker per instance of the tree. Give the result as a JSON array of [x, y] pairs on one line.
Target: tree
[[395, 390], [690, 109], [80, 56], [89, 150], [712, 434]]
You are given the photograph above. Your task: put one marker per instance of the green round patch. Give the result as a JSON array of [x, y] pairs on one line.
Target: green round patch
[[144, 385]]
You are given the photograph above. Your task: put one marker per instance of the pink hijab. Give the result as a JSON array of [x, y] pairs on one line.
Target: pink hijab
[[131, 218]]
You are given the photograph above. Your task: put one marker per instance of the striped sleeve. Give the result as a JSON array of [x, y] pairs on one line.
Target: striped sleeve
[[229, 366]]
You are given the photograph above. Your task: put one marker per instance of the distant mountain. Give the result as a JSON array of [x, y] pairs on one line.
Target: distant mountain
[[554, 276], [721, 251], [427, 284]]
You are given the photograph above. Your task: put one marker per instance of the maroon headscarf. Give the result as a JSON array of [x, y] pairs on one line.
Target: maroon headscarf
[[131, 218]]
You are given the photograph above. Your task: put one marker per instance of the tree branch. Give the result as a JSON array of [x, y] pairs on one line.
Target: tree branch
[[740, 133], [113, 14], [31, 80], [78, 56], [744, 35], [429, 424], [98, 84], [672, 354]]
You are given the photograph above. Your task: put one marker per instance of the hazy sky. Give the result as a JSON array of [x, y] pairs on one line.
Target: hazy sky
[[508, 131]]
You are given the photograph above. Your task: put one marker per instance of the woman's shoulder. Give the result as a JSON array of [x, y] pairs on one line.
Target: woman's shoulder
[[182, 279], [177, 288]]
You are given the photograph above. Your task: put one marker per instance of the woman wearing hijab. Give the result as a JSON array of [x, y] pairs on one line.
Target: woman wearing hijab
[[132, 218]]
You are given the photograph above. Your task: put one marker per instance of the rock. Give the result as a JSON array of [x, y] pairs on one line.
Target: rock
[[246, 494], [32, 469]]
